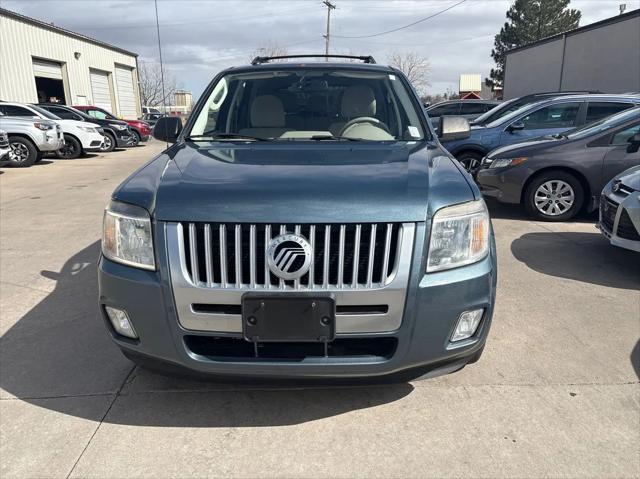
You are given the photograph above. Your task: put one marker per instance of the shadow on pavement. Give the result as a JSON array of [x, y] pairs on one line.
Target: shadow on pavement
[[586, 257], [60, 348]]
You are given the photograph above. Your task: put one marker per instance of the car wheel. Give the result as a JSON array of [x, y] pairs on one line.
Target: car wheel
[[135, 139], [138, 137], [470, 160], [109, 142], [23, 153], [554, 196], [71, 150]]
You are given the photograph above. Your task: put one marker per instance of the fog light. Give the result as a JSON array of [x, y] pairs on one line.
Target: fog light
[[120, 322], [467, 324]]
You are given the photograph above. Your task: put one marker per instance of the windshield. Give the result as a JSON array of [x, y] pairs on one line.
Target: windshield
[[45, 113], [496, 112], [604, 124], [510, 116], [319, 103]]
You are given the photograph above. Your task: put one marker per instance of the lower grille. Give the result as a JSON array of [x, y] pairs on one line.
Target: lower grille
[[608, 210], [626, 228], [233, 256], [226, 348]]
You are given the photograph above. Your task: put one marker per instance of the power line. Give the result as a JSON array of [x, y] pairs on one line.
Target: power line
[[404, 26]]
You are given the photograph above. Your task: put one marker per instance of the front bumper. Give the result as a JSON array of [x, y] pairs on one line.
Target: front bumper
[[433, 304], [503, 184], [124, 138], [52, 140], [619, 218], [91, 141]]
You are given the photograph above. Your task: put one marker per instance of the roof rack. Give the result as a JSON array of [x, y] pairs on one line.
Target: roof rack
[[260, 60]]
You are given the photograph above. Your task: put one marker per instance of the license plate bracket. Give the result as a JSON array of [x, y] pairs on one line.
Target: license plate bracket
[[282, 317]]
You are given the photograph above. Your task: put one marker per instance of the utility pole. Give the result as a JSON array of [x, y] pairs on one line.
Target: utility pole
[[330, 6]]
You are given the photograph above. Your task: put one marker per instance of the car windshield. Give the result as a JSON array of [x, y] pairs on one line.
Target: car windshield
[[604, 124], [496, 112], [45, 113], [510, 116], [310, 104]]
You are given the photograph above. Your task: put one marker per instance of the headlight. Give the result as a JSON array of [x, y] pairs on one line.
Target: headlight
[[459, 236], [88, 129], [502, 162], [127, 237], [42, 126], [120, 127]]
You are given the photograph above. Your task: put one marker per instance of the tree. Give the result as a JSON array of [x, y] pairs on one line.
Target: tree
[[414, 66], [529, 21], [150, 78], [271, 49]]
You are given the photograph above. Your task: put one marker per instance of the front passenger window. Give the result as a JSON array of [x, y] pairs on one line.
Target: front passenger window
[[622, 137], [564, 115]]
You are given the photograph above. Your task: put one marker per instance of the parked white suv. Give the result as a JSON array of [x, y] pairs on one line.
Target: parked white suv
[[79, 136], [30, 138]]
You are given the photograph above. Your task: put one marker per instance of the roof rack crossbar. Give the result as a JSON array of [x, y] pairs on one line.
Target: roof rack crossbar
[[259, 60]]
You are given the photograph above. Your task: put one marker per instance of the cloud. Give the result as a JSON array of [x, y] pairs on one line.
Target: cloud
[[201, 37]]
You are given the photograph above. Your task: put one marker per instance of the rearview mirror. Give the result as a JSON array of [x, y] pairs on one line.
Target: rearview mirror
[[634, 143], [453, 128], [515, 126], [167, 129]]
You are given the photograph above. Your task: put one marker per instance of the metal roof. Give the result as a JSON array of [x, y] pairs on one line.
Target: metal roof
[[591, 26], [69, 33]]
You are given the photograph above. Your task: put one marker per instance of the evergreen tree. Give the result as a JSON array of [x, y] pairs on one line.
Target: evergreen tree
[[527, 22]]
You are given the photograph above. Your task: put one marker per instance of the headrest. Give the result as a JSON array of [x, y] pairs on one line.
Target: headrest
[[267, 112], [358, 101]]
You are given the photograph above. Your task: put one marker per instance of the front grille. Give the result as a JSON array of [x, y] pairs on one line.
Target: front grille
[[626, 228], [358, 256], [608, 209]]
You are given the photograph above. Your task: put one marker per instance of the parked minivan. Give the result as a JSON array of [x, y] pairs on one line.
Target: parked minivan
[[548, 117]]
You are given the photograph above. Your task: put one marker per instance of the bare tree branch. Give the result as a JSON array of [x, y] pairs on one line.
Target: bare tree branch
[[414, 66], [150, 78], [271, 49]]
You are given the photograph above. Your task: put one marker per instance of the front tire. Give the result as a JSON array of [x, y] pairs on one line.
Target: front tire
[[138, 137], [109, 142], [554, 196], [471, 160], [23, 153], [71, 150]]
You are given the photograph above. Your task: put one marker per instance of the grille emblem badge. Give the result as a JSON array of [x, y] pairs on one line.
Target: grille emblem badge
[[289, 256]]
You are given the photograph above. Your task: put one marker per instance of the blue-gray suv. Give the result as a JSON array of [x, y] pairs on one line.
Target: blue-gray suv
[[549, 117], [305, 223]]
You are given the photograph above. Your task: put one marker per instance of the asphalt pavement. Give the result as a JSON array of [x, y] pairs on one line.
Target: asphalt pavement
[[556, 393]]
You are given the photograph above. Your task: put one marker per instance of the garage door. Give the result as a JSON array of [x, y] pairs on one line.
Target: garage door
[[46, 69], [126, 93], [100, 89]]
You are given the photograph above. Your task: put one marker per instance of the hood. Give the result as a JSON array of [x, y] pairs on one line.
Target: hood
[[73, 123], [526, 147], [304, 183], [630, 178]]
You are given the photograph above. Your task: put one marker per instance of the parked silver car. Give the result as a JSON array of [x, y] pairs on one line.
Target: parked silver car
[[30, 138], [620, 207]]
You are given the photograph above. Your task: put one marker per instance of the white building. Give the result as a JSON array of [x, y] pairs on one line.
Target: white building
[[40, 62]]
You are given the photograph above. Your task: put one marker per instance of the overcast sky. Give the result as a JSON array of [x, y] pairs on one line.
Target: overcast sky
[[201, 37]]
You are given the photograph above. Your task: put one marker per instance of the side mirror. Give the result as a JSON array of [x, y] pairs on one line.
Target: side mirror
[[634, 143], [167, 129], [453, 128], [515, 126]]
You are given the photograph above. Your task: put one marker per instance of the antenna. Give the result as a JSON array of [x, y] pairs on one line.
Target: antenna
[[164, 98]]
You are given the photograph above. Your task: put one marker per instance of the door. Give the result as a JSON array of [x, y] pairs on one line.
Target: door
[[548, 120], [617, 159], [100, 89], [126, 93], [49, 81]]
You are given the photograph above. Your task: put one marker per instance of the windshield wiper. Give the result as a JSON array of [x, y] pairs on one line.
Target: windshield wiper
[[332, 137], [225, 136]]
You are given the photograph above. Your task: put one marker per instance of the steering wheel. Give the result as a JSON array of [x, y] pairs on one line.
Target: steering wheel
[[365, 119]]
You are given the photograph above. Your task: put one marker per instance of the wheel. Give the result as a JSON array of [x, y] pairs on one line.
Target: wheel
[[135, 139], [39, 157], [138, 137], [71, 150], [554, 196], [23, 153], [470, 160], [109, 142]]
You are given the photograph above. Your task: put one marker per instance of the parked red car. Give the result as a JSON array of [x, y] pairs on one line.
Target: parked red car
[[140, 128]]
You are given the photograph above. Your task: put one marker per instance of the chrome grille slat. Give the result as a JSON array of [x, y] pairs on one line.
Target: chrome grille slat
[[345, 256]]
